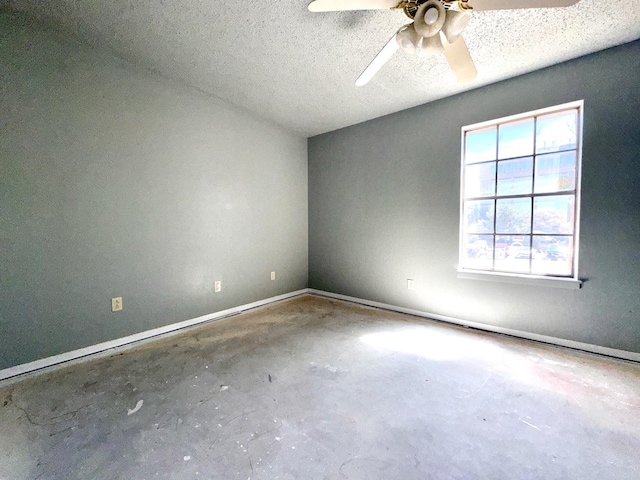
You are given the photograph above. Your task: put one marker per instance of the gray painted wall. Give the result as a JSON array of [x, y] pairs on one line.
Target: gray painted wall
[[384, 206], [116, 182]]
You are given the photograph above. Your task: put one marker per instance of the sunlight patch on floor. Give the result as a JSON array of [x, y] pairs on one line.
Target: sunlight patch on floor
[[431, 344]]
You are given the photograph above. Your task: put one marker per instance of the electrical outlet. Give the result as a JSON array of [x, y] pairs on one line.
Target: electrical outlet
[[409, 284], [273, 275], [116, 304], [217, 286]]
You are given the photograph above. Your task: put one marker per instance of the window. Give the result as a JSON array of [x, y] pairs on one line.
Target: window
[[520, 193]]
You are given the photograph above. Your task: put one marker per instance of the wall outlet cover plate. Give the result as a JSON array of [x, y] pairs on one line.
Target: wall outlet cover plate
[[116, 304]]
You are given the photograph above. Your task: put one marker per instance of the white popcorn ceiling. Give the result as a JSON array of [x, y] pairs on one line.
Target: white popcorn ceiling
[[297, 68]]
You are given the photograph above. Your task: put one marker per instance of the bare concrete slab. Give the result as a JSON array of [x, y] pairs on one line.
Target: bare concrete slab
[[313, 388]]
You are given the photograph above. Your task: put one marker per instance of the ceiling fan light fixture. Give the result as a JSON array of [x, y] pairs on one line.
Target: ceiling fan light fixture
[[431, 46], [409, 39], [429, 18], [454, 24]]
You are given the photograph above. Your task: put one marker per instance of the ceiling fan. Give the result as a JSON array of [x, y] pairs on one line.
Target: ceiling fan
[[436, 28]]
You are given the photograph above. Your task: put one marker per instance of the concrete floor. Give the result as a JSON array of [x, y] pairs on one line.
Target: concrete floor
[[313, 388]]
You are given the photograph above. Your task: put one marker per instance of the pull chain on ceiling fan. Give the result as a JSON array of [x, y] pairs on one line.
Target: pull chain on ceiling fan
[[436, 28]]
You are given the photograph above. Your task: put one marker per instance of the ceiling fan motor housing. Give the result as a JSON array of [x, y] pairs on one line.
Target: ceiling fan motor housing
[[410, 7]]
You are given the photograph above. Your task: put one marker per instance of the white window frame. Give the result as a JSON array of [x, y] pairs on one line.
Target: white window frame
[[571, 281]]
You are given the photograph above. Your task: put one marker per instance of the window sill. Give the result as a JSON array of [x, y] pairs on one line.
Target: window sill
[[539, 280]]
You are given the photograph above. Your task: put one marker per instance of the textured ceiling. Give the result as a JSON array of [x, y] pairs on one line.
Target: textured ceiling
[[298, 68]]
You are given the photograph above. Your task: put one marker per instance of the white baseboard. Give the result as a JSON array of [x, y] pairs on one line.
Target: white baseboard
[[119, 344], [587, 347]]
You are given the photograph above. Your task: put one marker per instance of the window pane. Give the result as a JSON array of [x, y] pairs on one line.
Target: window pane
[[480, 145], [555, 255], [516, 139], [555, 172], [478, 252], [513, 216], [553, 214], [517, 254], [480, 180], [515, 176], [557, 131], [502, 243], [478, 216]]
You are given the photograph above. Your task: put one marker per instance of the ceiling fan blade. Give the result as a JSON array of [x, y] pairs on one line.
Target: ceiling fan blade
[[376, 64], [337, 5], [480, 5], [459, 59]]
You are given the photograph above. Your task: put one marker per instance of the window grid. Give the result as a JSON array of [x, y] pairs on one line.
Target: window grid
[[530, 240]]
